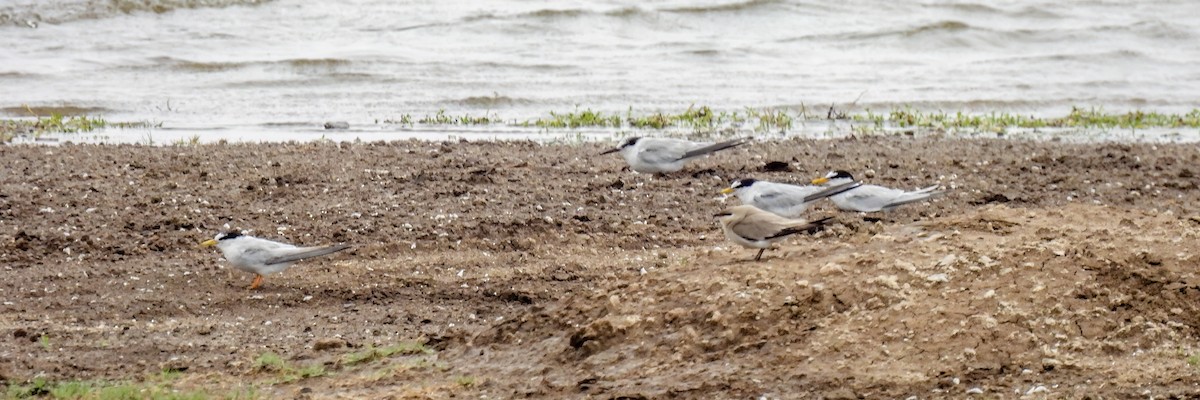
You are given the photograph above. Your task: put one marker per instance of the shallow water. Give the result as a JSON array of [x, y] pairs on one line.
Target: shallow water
[[255, 68]]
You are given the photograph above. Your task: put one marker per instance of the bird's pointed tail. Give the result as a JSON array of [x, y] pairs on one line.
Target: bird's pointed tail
[[715, 147], [301, 253], [913, 197]]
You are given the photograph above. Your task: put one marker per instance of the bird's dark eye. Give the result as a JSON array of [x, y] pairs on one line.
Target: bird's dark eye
[[630, 142]]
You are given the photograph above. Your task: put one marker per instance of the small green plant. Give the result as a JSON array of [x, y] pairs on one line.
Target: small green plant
[[168, 375], [312, 371], [36, 387], [437, 119], [1194, 360], [71, 390], [190, 141], [372, 353], [465, 381], [578, 119], [44, 340], [360, 357], [405, 119], [121, 392], [100, 390], [769, 120], [269, 361]]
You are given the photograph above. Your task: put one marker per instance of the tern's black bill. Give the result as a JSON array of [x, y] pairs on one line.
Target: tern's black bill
[[610, 151], [724, 214]]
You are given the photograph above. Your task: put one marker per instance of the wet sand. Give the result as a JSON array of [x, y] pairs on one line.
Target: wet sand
[[529, 270]]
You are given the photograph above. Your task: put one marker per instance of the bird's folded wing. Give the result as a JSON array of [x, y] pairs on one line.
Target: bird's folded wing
[[661, 153], [299, 253], [832, 191], [762, 225], [872, 198], [811, 227], [780, 195], [713, 148]]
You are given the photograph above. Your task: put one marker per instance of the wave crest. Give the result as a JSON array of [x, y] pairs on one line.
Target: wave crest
[[218, 66], [34, 12], [493, 101], [726, 7]]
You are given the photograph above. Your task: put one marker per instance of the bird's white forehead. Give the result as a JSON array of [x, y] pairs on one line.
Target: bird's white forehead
[[831, 174]]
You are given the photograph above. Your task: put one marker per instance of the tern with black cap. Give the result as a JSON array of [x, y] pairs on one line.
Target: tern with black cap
[[872, 198], [262, 256], [783, 199], [663, 155]]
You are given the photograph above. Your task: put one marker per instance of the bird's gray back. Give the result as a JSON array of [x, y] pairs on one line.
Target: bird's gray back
[[869, 197], [249, 251], [781, 198]]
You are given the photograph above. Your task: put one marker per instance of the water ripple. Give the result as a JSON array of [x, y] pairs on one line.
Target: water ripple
[[33, 12]]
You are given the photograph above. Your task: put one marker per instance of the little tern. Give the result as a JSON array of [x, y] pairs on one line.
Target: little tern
[[663, 155], [262, 256], [783, 199], [872, 198]]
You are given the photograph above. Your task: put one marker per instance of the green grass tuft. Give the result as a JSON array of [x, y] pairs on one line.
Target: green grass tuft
[[100, 390], [465, 381], [372, 353], [270, 362], [57, 122]]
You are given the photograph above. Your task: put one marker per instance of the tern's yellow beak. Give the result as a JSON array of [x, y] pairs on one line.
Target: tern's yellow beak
[[819, 181], [208, 243], [727, 191]]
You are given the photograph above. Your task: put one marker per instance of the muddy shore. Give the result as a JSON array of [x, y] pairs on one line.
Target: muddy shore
[[530, 270]]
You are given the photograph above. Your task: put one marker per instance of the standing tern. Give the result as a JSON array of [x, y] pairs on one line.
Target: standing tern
[[262, 256], [871, 198], [663, 155], [754, 228], [783, 199]]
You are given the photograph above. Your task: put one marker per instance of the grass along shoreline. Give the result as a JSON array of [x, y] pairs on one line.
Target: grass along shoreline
[[703, 120], [704, 117]]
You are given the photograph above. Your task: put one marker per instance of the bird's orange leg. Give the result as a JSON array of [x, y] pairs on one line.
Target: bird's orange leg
[[258, 279]]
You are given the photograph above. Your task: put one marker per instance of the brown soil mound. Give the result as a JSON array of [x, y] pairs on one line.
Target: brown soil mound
[[1049, 269]]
